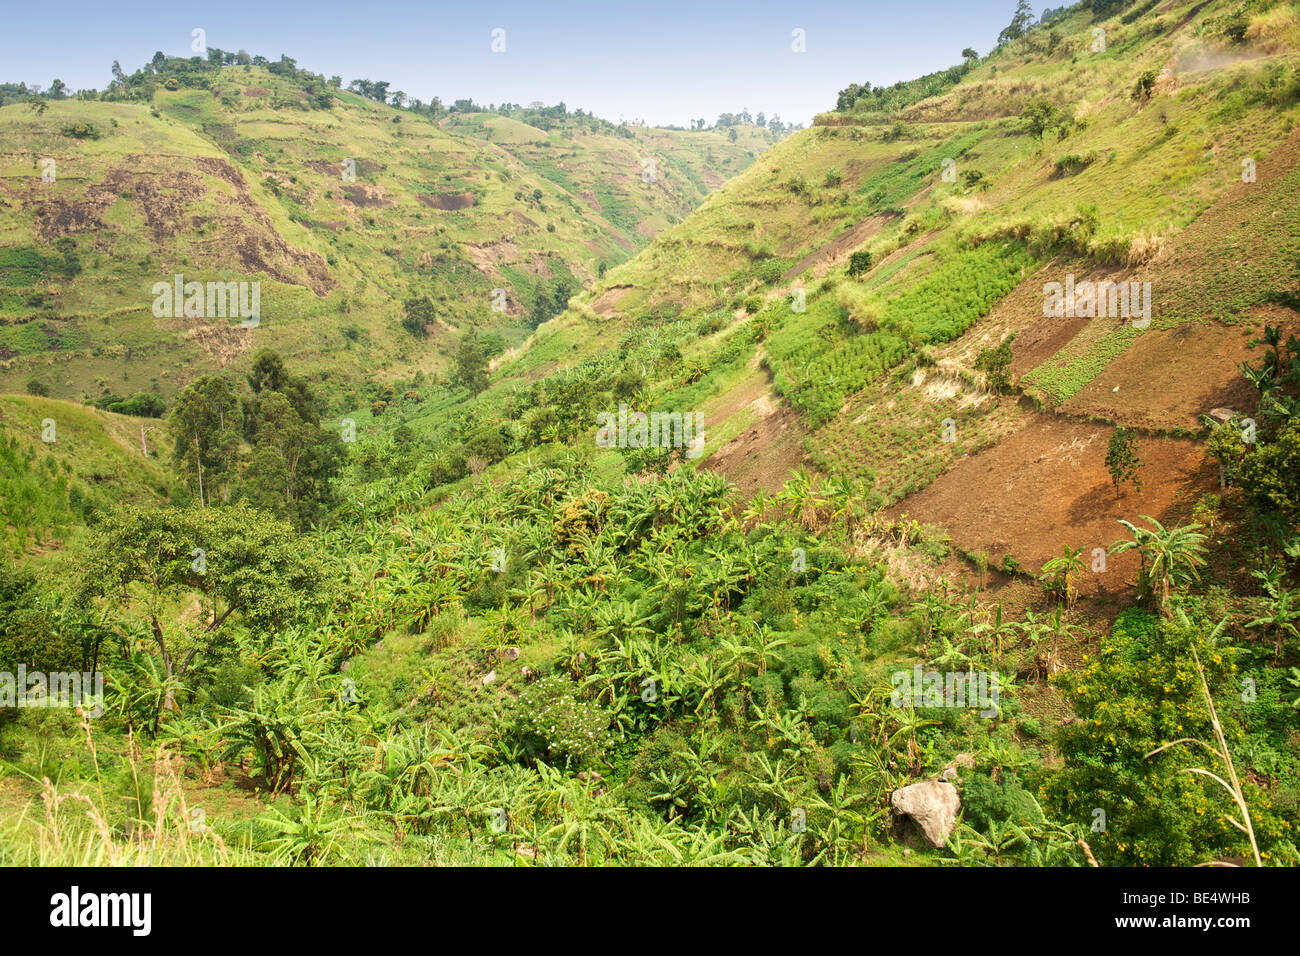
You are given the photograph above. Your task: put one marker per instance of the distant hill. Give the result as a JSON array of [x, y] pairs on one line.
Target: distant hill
[[340, 206]]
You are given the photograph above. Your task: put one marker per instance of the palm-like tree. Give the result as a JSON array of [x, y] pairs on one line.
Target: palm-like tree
[[1279, 610], [997, 628], [1059, 573], [1171, 557]]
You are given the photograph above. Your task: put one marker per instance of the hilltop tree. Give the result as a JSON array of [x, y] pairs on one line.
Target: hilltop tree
[[1122, 458], [1020, 23]]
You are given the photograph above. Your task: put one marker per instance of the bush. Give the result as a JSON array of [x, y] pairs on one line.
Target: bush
[[1144, 85], [1139, 693], [418, 313], [1072, 164], [447, 466], [859, 262], [556, 724], [996, 364], [81, 130], [142, 405], [36, 387]]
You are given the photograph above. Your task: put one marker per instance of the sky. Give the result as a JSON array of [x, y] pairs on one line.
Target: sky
[[666, 63]]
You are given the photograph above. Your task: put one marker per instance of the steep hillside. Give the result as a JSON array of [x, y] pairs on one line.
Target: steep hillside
[[826, 494], [341, 212], [63, 465], [1038, 163]]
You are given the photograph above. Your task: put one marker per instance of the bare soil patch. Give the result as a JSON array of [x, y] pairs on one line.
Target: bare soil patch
[[762, 457], [838, 249], [606, 304], [1169, 377], [449, 200], [1046, 486], [367, 197]]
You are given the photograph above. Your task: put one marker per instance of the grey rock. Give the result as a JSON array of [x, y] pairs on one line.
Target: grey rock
[[932, 805]]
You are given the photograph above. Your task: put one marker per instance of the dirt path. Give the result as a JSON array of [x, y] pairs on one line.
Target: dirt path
[[838, 249]]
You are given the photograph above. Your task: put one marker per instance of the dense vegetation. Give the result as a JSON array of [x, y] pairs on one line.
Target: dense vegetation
[[425, 617]]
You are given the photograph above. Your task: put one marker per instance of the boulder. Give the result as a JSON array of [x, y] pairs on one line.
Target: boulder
[[932, 805], [488, 678], [509, 653], [1222, 415]]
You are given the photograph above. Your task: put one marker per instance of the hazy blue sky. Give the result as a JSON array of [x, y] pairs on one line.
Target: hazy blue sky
[[664, 62]]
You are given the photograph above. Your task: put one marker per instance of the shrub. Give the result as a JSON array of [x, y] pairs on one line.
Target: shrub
[[1139, 693], [555, 723], [1072, 164], [996, 364], [859, 262], [1144, 85], [81, 130]]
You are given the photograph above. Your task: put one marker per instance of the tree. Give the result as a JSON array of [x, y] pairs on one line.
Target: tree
[[969, 54], [1270, 478], [242, 563], [1170, 557], [1040, 116], [1020, 23], [268, 371], [294, 461], [859, 262], [471, 364], [1122, 458], [995, 363], [206, 421], [418, 314], [1226, 447]]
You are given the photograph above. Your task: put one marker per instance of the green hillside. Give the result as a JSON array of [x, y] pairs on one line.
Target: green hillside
[[890, 520], [238, 174]]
